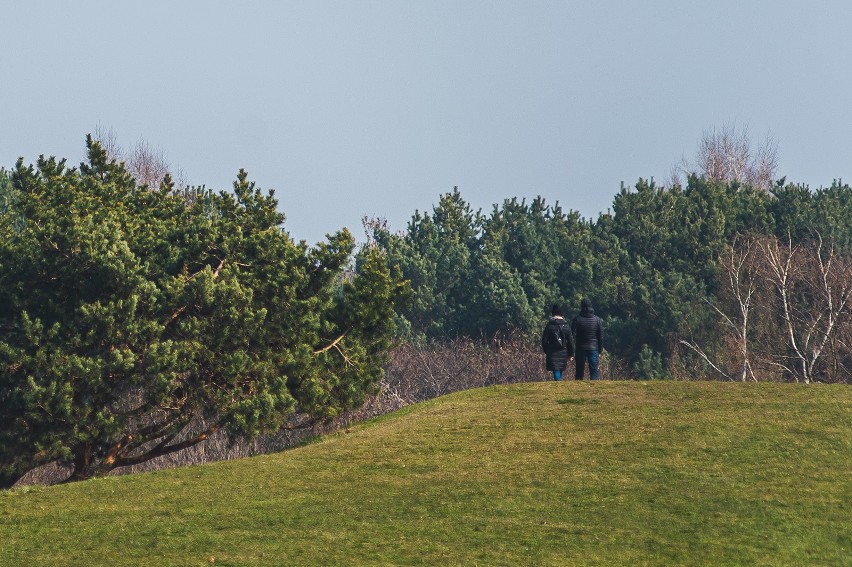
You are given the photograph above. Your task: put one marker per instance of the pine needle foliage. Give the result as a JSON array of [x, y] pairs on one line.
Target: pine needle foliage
[[135, 322]]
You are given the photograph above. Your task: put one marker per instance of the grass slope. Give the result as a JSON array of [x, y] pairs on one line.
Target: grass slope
[[567, 473]]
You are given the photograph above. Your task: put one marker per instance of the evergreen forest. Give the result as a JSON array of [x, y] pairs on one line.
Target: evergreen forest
[[714, 279]]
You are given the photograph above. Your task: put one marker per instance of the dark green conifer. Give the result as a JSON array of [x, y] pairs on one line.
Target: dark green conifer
[[135, 322]]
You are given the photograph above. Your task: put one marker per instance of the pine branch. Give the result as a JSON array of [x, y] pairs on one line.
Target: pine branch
[[161, 450], [333, 344]]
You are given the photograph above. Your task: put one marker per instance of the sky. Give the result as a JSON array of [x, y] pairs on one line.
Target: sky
[[375, 108]]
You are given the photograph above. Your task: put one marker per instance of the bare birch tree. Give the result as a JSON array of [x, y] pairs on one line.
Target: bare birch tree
[[783, 307], [813, 293], [830, 280], [739, 279], [740, 271], [781, 270]]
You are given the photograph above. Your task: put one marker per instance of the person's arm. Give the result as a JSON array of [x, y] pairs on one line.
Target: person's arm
[[600, 336], [569, 340], [544, 339]]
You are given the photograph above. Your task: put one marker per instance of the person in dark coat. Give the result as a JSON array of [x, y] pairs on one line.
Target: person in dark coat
[[557, 343], [587, 329]]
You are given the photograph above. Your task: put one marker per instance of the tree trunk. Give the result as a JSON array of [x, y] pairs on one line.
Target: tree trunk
[[82, 464], [8, 477]]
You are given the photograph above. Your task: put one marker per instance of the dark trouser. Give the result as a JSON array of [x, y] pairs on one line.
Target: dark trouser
[[582, 356]]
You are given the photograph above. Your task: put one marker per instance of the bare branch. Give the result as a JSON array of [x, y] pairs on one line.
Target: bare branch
[[703, 355], [333, 344], [109, 142], [725, 154]]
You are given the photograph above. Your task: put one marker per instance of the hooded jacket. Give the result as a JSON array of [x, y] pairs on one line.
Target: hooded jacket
[[557, 356], [588, 328]]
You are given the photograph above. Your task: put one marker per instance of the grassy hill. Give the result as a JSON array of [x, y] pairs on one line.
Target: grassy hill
[[617, 473]]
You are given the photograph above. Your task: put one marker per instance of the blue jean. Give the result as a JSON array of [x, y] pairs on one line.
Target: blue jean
[[593, 357], [557, 375]]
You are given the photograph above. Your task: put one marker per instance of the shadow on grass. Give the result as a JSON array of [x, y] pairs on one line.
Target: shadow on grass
[[564, 401]]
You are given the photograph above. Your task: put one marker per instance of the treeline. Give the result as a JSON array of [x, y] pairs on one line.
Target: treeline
[[710, 279], [138, 321]]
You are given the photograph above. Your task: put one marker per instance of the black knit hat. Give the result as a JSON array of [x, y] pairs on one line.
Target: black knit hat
[[555, 310]]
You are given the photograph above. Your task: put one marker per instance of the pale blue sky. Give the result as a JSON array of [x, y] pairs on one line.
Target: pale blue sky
[[376, 108]]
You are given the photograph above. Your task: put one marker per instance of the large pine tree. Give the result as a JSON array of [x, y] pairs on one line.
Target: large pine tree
[[135, 322]]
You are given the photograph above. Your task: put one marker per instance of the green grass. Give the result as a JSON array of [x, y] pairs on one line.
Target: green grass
[[608, 473]]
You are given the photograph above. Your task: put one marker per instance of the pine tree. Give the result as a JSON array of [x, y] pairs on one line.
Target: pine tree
[[135, 323]]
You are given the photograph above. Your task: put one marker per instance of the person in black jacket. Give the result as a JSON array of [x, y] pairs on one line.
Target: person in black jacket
[[588, 333], [557, 343]]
